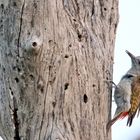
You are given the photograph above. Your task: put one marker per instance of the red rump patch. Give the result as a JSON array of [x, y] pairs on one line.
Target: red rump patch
[[120, 116], [123, 115]]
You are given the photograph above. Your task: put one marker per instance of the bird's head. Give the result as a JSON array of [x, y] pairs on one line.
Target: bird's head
[[135, 60]]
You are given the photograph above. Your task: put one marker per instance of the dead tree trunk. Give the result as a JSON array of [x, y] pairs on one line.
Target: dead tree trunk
[[55, 58]]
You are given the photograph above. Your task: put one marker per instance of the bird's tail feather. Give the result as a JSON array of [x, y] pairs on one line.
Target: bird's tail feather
[[111, 122]]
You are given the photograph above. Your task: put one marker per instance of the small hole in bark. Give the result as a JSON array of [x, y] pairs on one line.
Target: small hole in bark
[[85, 98], [17, 80], [66, 86], [1, 26], [2, 6], [28, 33], [34, 44], [19, 70], [80, 37], [31, 77], [105, 9], [72, 129], [12, 93], [35, 5], [14, 67], [3, 69], [54, 104], [66, 56], [50, 41], [70, 46], [42, 89], [74, 19], [112, 8], [94, 85], [14, 4]]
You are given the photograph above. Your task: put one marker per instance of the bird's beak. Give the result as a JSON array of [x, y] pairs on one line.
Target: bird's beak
[[133, 58]]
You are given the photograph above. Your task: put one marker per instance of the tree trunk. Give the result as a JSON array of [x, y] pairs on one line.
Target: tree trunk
[[55, 58]]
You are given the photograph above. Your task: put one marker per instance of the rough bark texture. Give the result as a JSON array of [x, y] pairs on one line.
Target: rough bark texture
[[55, 58]]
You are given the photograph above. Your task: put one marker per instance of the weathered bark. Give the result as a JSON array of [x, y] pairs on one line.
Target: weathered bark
[[55, 58]]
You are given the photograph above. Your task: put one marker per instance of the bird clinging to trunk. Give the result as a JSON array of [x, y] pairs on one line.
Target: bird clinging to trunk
[[130, 105], [127, 92]]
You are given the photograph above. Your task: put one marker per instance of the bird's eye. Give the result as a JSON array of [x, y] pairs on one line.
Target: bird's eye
[[127, 76]]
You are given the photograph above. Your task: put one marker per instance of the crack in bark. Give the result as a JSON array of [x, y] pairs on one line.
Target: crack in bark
[[15, 118], [34, 11], [43, 114], [77, 9], [101, 4], [20, 26], [14, 110], [93, 8], [50, 136]]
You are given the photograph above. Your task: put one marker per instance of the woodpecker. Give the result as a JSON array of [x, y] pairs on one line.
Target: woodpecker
[[122, 95], [125, 94], [127, 103]]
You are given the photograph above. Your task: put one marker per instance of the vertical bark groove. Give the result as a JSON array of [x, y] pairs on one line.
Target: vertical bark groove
[[20, 26]]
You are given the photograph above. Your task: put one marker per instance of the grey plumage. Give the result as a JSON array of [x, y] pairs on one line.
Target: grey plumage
[[123, 91], [122, 94]]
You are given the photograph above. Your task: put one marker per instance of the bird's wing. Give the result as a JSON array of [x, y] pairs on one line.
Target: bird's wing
[[134, 101]]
